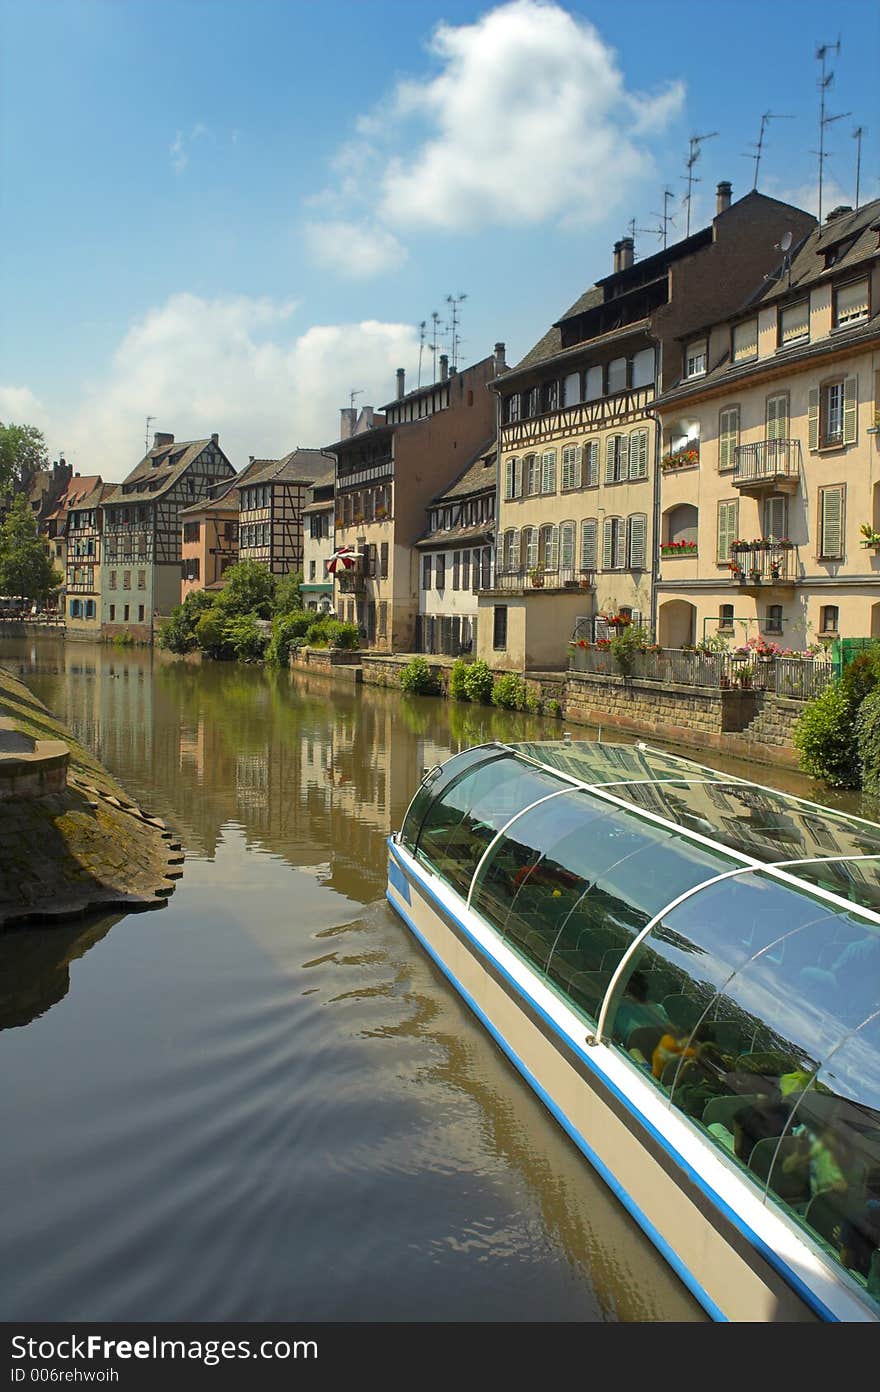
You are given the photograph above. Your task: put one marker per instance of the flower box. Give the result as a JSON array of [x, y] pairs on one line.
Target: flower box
[[678, 548], [680, 459]]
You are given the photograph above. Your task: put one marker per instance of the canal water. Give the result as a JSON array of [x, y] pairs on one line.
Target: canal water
[[264, 1102]]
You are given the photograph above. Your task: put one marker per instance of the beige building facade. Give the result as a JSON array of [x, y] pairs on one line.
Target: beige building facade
[[770, 462]]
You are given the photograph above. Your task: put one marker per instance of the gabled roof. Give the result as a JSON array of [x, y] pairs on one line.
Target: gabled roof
[[299, 466], [76, 494], [848, 241], [159, 470]]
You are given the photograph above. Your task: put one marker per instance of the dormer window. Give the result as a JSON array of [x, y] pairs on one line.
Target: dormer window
[[745, 341], [851, 303], [794, 323], [695, 356]]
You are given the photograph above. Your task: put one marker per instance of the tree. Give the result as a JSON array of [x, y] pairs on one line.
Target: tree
[[287, 595], [25, 569], [248, 588], [22, 453]]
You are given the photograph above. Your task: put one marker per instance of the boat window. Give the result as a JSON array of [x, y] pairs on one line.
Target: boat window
[[437, 781], [460, 824]]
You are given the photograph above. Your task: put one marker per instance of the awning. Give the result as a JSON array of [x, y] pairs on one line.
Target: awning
[[326, 588], [344, 558]]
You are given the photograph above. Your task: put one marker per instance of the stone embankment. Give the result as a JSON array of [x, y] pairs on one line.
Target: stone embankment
[[72, 840]]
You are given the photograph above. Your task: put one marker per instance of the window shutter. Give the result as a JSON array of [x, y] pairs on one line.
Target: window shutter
[[832, 522], [509, 465], [592, 461], [566, 545], [551, 548], [548, 471], [727, 522], [610, 457], [850, 410], [635, 618], [777, 418], [728, 434], [774, 516], [589, 543], [813, 419], [620, 545], [607, 544], [637, 525], [383, 564], [638, 454], [623, 462]]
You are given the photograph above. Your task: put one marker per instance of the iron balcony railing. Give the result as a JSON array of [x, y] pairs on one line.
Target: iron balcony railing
[[767, 461], [764, 563], [525, 578], [798, 678]]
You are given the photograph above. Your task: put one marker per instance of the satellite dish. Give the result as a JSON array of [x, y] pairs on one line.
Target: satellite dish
[[786, 241]]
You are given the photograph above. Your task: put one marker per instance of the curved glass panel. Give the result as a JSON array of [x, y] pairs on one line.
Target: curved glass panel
[[464, 818], [437, 781], [595, 763]]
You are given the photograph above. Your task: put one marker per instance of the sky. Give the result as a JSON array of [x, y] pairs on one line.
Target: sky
[[230, 216]]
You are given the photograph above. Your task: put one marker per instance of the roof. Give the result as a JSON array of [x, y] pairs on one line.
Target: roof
[[853, 236], [475, 533], [77, 491], [162, 465], [299, 466]]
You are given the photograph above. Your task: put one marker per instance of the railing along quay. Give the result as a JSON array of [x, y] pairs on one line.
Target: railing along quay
[[797, 678]]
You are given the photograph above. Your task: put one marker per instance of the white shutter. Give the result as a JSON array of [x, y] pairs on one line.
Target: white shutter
[[635, 618], [728, 437], [566, 545], [727, 523], [577, 467], [620, 545], [637, 526], [530, 538], [777, 417], [638, 454], [610, 457], [589, 544], [551, 548], [850, 410], [775, 516], [591, 449], [623, 463], [548, 471], [509, 466], [517, 478], [571, 467], [831, 543], [813, 419], [607, 544]]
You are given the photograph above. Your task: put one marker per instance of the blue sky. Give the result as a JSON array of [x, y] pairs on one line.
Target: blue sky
[[228, 216]]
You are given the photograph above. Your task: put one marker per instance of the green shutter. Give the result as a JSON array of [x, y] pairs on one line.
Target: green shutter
[[623, 469], [576, 467], [610, 454], [777, 418], [727, 522], [850, 410], [589, 543], [592, 460], [638, 454], [637, 526], [813, 419], [607, 545], [620, 545], [832, 523]]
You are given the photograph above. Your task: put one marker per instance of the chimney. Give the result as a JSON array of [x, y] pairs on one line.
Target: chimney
[[838, 212], [365, 420], [444, 367], [627, 253], [160, 438], [500, 364], [617, 246], [347, 418], [722, 197], [251, 458], [401, 389], [215, 439]]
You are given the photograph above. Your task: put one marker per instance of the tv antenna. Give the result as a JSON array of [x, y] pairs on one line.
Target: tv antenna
[[758, 147], [147, 434], [693, 155], [455, 301], [665, 217], [825, 82], [352, 395], [435, 339], [423, 324], [857, 137], [648, 232]]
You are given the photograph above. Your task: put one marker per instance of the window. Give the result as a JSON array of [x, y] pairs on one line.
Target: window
[[90, 608], [773, 621], [426, 573], [776, 417], [113, 580], [728, 438], [383, 618], [548, 471], [643, 368], [695, 359], [745, 341], [638, 454], [593, 384], [441, 572], [566, 545], [571, 467], [794, 323], [728, 521], [851, 304], [510, 550], [125, 613], [830, 617], [614, 544], [74, 608], [533, 475], [140, 613], [636, 540], [313, 568], [112, 613], [549, 396], [616, 458], [126, 579], [589, 544], [466, 569], [725, 618], [591, 464], [456, 569], [833, 413], [530, 547], [499, 627], [512, 478], [571, 389], [142, 578], [511, 407], [191, 531], [549, 547], [776, 517], [831, 510], [530, 402], [617, 376], [383, 561]]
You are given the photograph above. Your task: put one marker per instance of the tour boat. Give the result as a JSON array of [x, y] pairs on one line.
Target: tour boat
[[685, 967]]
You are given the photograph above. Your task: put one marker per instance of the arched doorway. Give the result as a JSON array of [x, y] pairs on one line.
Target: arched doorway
[[676, 623]]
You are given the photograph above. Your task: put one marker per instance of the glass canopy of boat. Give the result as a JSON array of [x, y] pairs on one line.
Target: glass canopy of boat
[[724, 936]]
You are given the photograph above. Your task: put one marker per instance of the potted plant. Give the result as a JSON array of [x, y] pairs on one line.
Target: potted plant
[[536, 576], [870, 538]]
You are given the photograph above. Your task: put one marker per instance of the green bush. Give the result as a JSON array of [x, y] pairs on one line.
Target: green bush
[[123, 640], [868, 742], [478, 683], [332, 633], [287, 594], [509, 692], [625, 644], [825, 738], [288, 631], [178, 633], [553, 709], [417, 678], [458, 681], [248, 588], [533, 703], [211, 633], [860, 677], [245, 638]]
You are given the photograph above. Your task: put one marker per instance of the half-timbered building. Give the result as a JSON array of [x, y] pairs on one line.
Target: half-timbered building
[[82, 533], [579, 444], [140, 571], [271, 503], [456, 557]]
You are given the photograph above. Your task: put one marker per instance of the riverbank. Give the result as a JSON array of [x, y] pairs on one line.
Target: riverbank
[[83, 844]]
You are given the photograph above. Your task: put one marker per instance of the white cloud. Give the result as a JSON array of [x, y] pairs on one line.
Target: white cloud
[[351, 250], [233, 365], [19, 406], [525, 119], [180, 146]]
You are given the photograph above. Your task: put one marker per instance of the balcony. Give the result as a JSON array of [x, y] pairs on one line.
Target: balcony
[[525, 579], [769, 466], [763, 565], [350, 581]]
